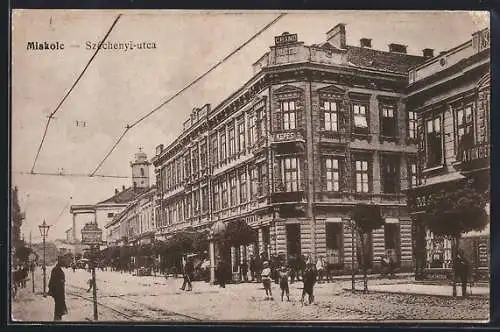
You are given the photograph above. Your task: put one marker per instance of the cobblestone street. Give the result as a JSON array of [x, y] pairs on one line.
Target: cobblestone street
[[123, 297]]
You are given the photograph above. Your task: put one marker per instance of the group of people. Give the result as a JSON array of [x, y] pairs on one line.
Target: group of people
[[309, 279]]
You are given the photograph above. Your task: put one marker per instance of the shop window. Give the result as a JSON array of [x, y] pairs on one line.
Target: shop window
[[334, 234], [392, 240]]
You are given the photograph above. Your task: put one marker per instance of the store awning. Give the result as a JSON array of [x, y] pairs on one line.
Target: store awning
[[441, 179]]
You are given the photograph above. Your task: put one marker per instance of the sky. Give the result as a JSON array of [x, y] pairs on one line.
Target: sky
[[120, 86]]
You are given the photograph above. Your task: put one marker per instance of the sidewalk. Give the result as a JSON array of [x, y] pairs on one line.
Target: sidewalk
[[423, 289]]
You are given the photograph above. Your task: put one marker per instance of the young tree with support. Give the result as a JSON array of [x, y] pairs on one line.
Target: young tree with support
[[365, 218], [450, 213]]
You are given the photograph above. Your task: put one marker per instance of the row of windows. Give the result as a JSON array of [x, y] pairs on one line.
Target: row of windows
[[360, 113], [226, 142], [334, 170]]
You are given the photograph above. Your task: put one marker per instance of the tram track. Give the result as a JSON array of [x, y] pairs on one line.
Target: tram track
[[159, 313]]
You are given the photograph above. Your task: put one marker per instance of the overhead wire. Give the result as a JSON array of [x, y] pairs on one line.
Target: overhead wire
[[51, 115], [71, 175], [196, 80]]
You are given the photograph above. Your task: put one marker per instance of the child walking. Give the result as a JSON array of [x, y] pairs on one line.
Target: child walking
[[266, 280], [283, 276]]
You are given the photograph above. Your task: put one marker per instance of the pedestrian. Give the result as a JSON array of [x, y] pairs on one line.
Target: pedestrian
[[258, 269], [320, 268], [266, 279], [73, 266], [56, 290], [244, 270], [188, 275], [309, 279], [284, 273], [252, 267], [221, 273], [462, 271]]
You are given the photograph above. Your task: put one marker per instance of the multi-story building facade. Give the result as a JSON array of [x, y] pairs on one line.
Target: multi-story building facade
[[316, 130], [449, 98]]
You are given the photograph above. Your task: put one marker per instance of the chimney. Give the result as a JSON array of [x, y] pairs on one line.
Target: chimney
[[397, 48], [116, 191], [336, 36], [365, 42], [123, 188], [428, 52]]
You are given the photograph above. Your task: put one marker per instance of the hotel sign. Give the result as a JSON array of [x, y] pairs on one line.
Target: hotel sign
[[285, 38]]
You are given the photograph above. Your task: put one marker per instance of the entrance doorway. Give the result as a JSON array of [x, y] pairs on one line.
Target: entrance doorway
[[293, 240]]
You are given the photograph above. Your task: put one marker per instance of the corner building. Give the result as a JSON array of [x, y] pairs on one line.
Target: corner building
[[316, 130]]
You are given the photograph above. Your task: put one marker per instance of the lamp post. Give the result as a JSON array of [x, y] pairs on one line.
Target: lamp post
[[44, 231]]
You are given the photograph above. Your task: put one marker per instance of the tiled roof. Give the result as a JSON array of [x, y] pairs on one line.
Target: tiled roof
[[124, 196], [380, 60]]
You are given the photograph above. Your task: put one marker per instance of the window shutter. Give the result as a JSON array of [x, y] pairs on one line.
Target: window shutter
[[278, 120], [299, 112], [321, 114], [323, 173]]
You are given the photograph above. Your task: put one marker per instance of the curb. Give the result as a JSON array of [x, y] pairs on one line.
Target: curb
[[417, 294]]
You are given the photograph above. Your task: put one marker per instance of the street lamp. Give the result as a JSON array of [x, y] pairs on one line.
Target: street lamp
[[44, 231]]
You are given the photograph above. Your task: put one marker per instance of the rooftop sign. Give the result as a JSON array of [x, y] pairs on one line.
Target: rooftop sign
[[285, 38]]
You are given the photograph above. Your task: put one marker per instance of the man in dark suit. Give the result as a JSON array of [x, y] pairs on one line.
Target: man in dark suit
[[56, 290]]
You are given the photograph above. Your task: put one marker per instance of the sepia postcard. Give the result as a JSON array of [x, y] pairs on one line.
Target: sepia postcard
[[242, 166]]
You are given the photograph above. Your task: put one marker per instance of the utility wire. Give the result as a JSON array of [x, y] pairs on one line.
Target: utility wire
[[50, 117], [72, 175], [196, 80]]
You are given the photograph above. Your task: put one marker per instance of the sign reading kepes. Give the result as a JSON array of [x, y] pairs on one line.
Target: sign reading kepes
[[91, 234], [285, 136], [285, 38]]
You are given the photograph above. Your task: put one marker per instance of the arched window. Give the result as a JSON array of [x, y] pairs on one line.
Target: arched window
[[142, 171]]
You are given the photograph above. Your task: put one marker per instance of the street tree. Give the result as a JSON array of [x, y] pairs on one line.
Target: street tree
[[365, 218], [454, 212]]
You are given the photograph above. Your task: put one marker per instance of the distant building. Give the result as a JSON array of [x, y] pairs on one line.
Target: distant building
[[135, 216], [317, 129], [105, 211], [449, 98]]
